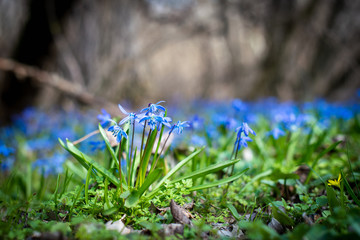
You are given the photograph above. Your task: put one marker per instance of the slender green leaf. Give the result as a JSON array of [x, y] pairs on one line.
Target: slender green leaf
[[76, 197], [66, 182], [207, 170], [333, 201], [125, 194], [106, 190], [80, 172], [133, 166], [134, 197], [81, 157], [219, 182], [349, 189], [174, 170], [147, 154], [158, 144], [56, 191], [233, 211], [278, 174], [261, 175], [320, 155], [87, 185], [110, 211], [282, 217], [108, 146]]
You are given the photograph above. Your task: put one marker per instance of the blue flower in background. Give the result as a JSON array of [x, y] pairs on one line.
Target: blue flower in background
[[50, 165], [196, 122], [104, 118], [97, 145], [7, 163], [276, 133], [212, 132], [42, 143], [230, 123], [179, 127], [5, 151], [239, 105], [197, 140]]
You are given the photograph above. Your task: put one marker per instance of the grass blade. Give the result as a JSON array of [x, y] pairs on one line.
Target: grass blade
[[108, 146], [219, 182], [80, 172], [351, 192], [205, 171], [87, 185], [332, 200], [76, 197], [134, 197], [233, 211], [81, 157], [320, 155], [146, 156], [174, 170]]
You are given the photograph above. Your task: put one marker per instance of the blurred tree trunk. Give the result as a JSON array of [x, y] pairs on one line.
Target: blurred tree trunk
[[148, 50]]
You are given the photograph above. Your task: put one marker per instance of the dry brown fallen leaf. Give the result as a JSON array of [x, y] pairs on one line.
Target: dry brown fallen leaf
[[180, 214]]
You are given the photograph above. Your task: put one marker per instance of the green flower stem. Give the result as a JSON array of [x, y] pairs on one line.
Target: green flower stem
[[120, 174], [131, 151], [142, 140], [342, 197], [139, 179], [156, 156], [162, 149]]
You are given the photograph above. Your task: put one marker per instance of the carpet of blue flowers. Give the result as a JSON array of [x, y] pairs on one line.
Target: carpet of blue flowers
[[213, 170]]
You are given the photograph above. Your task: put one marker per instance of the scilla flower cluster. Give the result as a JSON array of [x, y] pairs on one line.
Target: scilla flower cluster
[[153, 121], [152, 116], [242, 137]]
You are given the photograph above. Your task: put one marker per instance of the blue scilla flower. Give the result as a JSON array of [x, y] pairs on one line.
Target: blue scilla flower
[[41, 143], [7, 163], [104, 118], [50, 165], [97, 145], [117, 132], [276, 133], [196, 140], [5, 151], [151, 121], [196, 122], [239, 105], [230, 123], [153, 108], [132, 117], [156, 120], [179, 127], [245, 129], [162, 120], [242, 142]]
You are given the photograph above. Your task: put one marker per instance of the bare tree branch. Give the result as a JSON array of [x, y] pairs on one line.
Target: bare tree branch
[[54, 80]]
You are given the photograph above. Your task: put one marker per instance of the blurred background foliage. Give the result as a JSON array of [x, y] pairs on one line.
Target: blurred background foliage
[[142, 51]]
